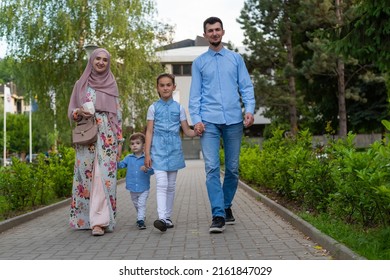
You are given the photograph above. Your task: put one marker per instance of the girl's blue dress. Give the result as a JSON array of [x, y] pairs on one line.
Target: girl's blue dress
[[166, 149]]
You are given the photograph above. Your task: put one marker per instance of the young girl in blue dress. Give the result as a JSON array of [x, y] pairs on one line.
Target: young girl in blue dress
[[163, 148]]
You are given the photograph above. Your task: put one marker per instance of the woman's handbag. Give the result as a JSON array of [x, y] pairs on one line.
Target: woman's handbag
[[85, 132]]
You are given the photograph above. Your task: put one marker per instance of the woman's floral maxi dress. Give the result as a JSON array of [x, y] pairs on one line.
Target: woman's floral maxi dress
[[84, 180]]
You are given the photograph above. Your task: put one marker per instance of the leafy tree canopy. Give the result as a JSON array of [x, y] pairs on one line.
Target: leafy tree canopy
[[366, 36], [46, 39]]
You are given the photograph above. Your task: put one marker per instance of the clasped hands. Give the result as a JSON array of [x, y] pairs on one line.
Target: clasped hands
[[199, 128]]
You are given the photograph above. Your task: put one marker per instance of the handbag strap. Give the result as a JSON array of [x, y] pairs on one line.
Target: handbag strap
[[85, 120]]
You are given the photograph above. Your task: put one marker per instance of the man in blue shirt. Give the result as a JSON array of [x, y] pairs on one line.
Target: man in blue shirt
[[220, 84]]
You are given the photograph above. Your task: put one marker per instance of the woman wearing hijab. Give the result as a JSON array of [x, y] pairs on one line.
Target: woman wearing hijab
[[94, 184]]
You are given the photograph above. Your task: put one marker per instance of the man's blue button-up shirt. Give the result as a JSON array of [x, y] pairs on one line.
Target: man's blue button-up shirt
[[220, 81]]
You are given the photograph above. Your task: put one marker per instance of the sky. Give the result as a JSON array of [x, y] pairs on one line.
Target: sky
[[188, 17]]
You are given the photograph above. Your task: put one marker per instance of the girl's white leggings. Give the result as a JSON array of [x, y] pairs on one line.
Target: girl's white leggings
[[165, 190]]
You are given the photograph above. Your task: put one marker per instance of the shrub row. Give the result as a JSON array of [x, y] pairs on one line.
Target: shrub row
[[25, 186], [336, 178]]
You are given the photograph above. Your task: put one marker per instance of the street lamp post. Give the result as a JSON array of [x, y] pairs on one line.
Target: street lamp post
[[7, 108], [30, 129], [89, 48]]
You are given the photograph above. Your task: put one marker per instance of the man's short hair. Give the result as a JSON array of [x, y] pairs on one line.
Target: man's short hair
[[211, 20]]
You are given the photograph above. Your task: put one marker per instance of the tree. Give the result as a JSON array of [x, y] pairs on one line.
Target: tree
[[328, 18], [291, 50], [269, 29], [17, 133], [46, 39], [5, 70], [341, 75], [366, 35]]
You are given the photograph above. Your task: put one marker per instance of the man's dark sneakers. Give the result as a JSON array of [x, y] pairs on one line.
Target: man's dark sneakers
[[160, 224], [218, 225], [229, 217]]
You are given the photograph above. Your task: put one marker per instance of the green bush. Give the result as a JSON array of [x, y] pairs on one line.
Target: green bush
[[362, 185], [17, 185], [313, 183], [25, 186], [61, 166], [341, 190], [352, 185], [250, 161]]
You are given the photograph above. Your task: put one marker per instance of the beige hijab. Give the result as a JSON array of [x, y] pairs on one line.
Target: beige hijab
[[103, 83]]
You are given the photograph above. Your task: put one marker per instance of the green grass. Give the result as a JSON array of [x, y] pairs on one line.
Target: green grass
[[373, 244]]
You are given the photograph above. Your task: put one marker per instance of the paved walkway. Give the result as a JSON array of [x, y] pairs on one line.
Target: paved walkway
[[259, 233]]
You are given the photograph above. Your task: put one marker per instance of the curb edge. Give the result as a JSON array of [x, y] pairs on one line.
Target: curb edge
[[18, 220], [337, 250]]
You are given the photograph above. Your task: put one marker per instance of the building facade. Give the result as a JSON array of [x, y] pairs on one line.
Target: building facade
[[14, 103]]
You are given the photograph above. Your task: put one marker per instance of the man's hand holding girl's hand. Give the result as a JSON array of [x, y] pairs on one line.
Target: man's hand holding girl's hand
[[199, 128]]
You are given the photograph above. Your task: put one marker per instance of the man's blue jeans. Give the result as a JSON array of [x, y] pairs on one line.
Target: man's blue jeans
[[221, 194]]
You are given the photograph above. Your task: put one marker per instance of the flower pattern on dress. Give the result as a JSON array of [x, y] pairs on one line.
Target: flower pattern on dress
[[106, 149]]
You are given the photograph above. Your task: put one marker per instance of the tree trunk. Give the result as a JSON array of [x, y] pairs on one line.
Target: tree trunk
[[341, 79], [291, 82], [341, 98]]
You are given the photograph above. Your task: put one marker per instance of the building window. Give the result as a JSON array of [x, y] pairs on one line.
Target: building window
[[181, 69], [19, 106]]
